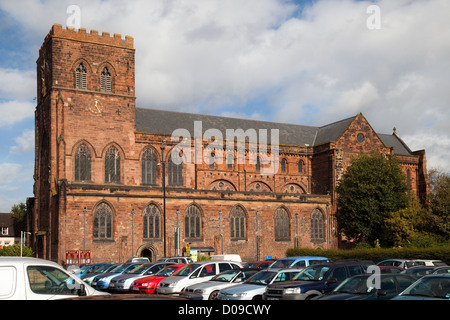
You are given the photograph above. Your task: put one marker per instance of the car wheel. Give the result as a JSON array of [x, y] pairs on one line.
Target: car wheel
[[214, 295]]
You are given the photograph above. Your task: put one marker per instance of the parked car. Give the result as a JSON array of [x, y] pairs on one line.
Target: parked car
[[358, 288], [258, 264], [38, 279], [149, 284], [430, 287], [194, 273], [419, 272], [227, 257], [315, 280], [210, 289], [177, 260], [90, 269], [122, 283], [253, 288], [88, 278], [74, 268], [432, 263], [402, 263], [101, 282], [139, 259], [297, 262], [390, 269]]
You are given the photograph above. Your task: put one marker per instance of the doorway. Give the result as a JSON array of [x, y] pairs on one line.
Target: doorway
[[148, 252]]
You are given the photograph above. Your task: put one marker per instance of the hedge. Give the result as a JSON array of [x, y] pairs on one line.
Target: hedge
[[438, 253]]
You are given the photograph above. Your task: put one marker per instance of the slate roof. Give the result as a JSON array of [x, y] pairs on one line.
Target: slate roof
[[165, 122]]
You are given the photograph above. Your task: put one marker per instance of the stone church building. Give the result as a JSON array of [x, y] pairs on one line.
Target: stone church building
[[112, 180]]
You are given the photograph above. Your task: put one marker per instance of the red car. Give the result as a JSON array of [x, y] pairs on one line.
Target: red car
[[149, 284]]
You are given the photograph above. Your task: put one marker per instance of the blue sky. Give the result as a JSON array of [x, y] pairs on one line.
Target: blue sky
[[306, 62]]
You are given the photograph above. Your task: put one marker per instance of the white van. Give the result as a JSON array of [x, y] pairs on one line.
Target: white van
[[194, 273], [37, 279]]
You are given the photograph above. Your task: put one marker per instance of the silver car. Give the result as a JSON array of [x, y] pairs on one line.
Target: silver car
[[194, 273], [210, 289]]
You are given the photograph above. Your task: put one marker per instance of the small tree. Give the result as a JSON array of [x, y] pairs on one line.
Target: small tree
[[405, 224], [439, 202], [372, 188]]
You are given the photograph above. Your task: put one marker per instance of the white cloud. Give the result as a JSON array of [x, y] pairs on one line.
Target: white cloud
[[12, 112], [10, 173], [24, 143], [216, 56], [17, 84]]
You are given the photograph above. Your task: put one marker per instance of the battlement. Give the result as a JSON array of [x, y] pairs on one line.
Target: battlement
[[94, 37]]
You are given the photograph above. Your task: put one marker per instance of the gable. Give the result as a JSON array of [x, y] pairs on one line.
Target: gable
[[359, 136]]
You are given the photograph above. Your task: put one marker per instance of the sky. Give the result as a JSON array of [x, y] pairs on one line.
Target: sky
[[303, 62]]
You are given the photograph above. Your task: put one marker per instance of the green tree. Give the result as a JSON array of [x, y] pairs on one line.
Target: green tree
[[439, 202], [372, 188], [18, 212], [14, 250], [405, 225]]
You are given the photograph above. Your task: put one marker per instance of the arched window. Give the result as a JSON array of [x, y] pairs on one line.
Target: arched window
[[152, 218], [103, 220], [317, 226], [258, 164], [283, 165], [300, 166], [105, 80], [175, 172], [83, 163], [149, 163], [81, 77], [193, 223], [112, 165], [230, 160], [281, 224], [237, 223]]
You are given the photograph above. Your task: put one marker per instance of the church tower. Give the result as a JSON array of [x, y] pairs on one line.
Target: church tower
[[86, 94]]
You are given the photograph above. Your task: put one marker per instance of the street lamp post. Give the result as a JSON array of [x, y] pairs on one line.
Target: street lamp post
[[22, 239], [84, 229], [132, 232]]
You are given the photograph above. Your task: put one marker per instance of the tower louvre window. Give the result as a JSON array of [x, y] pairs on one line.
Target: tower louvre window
[[105, 80], [81, 77]]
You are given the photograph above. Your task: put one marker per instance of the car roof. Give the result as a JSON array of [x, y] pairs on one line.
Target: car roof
[[303, 257], [21, 260]]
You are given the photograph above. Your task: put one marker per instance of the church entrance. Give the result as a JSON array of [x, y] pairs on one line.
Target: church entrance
[[149, 252]]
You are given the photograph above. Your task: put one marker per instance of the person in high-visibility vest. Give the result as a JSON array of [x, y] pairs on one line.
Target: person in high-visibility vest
[[188, 250]]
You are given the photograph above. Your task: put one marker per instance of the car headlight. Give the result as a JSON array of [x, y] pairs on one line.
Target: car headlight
[[293, 291], [173, 284], [103, 279], [199, 291], [145, 284], [242, 294]]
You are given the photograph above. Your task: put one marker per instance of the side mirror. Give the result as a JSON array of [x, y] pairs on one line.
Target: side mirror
[[82, 292], [381, 292], [331, 281]]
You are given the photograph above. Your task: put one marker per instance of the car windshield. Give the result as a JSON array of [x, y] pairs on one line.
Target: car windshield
[[262, 278], [187, 270], [434, 287], [226, 276], [166, 272], [120, 268], [315, 273], [138, 269], [356, 285], [282, 263]]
